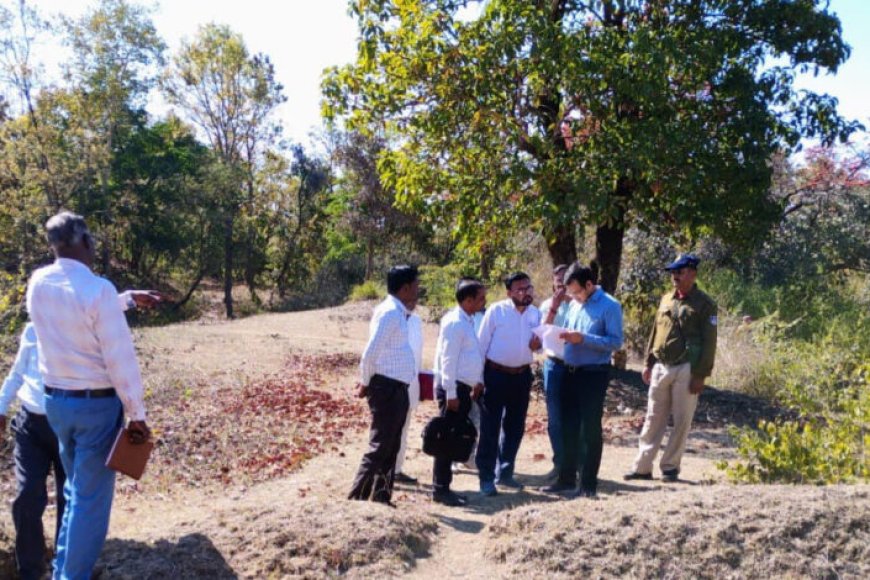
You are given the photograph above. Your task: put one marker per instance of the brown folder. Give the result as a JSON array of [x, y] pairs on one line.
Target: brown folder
[[128, 458]]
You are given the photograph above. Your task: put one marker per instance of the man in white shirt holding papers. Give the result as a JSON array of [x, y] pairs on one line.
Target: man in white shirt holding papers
[[554, 310], [460, 362], [91, 377]]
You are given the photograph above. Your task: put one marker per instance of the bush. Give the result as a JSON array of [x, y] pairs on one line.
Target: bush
[[368, 290], [828, 439], [439, 283]]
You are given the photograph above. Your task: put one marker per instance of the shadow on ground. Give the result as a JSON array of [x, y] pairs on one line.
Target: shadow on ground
[[192, 556]]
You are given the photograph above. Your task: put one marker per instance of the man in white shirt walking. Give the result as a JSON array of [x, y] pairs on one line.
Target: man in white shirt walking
[[91, 377], [460, 362], [507, 342], [386, 370]]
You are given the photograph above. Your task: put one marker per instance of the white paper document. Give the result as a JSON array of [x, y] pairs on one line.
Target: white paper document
[[549, 335]]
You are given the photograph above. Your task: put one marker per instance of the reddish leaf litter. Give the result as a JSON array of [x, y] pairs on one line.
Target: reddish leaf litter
[[264, 430]]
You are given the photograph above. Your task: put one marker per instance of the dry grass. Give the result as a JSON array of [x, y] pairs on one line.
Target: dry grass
[[705, 532], [287, 537]]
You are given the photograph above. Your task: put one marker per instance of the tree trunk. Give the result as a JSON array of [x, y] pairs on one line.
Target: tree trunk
[[609, 238], [562, 245], [370, 258], [228, 262], [608, 254]]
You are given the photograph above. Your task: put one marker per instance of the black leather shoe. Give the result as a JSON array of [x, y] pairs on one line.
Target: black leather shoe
[[509, 482], [449, 498], [585, 492], [632, 475], [552, 476], [558, 488], [671, 475], [403, 478]]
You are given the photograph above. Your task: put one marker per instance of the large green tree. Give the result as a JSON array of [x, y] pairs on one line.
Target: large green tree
[[229, 94], [553, 113]]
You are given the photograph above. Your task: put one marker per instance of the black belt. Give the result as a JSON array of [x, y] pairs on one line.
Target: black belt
[[587, 368], [506, 369], [387, 382], [80, 394]]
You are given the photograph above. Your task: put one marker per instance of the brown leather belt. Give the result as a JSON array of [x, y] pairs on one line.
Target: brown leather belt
[[505, 369]]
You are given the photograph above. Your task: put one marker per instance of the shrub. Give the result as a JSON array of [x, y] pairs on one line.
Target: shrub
[[828, 438], [368, 290], [439, 283]]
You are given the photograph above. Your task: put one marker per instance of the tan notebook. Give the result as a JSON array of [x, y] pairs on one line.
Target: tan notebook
[[127, 458]]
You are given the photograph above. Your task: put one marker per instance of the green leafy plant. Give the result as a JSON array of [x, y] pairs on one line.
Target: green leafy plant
[[368, 290], [828, 437]]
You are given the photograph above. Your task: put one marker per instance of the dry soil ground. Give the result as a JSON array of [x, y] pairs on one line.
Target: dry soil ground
[[249, 481]]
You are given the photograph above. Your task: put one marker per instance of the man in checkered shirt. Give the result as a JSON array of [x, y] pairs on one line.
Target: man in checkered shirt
[[386, 369]]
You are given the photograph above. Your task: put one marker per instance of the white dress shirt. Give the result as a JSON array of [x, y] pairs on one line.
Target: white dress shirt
[[24, 379], [388, 351], [459, 356], [83, 338], [505, 333], [415, 338]]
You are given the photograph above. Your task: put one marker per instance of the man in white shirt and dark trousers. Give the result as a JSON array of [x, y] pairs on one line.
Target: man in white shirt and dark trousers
[[91, 377], [507, 342], [386, 370], [415, 337], [460, 362]]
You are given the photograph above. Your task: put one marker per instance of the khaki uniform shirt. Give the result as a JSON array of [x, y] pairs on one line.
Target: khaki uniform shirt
[[685, 331]]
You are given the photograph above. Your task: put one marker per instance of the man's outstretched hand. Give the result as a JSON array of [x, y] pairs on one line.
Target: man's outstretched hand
[[146, 298]]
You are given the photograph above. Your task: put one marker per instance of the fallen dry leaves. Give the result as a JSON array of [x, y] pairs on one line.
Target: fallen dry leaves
[[264, 430]]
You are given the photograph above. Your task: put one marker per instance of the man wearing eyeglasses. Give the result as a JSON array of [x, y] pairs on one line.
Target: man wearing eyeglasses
[[680, 357], [508, 343]]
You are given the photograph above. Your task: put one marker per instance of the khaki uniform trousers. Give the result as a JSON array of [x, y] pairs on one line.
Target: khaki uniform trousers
[[668, 395]]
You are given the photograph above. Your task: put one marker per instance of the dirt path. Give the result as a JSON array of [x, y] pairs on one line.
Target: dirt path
[[235, 531]]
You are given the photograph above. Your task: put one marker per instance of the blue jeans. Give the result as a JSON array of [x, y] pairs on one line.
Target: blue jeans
[[503, 409], [36, 454], [86, 429], [554, 374]]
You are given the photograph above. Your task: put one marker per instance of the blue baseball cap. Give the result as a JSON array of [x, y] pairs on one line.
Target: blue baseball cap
[[684, 261]]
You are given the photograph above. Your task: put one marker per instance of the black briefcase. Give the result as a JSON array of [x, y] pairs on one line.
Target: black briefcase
[[450, 436]]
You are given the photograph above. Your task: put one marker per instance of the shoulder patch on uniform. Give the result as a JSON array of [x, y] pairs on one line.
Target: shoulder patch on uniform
[[714, 320]]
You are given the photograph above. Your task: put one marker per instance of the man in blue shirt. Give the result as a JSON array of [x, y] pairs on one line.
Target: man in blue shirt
[[594, 331]]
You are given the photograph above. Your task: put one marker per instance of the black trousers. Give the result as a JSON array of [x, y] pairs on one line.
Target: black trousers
[[36, 453], [442, 470], [583, 393], [388, 402]]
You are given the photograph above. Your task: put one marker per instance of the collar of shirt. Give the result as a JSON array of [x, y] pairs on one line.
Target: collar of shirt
[[400, 305], [70, 264], [680, 296]]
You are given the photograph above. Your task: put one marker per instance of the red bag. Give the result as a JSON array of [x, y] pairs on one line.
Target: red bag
[[427, 385]]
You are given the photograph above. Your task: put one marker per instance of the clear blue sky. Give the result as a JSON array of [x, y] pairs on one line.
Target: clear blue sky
[[304, 36]]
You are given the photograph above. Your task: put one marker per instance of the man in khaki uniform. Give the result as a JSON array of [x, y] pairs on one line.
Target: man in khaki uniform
[[680, 356]]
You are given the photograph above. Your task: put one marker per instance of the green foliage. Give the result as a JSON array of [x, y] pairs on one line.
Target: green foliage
[[828, 441], [440, 288], [671, 112], [368, 290]]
